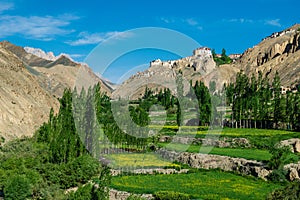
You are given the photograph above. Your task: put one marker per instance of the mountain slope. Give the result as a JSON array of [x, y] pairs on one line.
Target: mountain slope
[[278, 52], [30, 86], [54, 76], [24, 105], [163, 74]]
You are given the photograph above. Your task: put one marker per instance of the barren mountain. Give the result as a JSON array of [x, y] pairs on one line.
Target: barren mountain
[[163, 74], [56, 75], [278, 52], [24, 104], [30, 86]]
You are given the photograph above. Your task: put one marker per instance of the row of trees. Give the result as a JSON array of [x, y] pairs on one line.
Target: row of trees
[[258, 104]]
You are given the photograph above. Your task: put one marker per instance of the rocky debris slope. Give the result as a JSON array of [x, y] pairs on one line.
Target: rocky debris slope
[[24, 104]]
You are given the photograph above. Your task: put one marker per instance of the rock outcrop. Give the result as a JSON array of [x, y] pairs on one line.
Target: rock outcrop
[[293, 171], [278, 52], [207, 161], [293, 143]]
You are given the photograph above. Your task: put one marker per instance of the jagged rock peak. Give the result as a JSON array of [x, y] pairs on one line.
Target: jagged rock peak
[[40, 53]]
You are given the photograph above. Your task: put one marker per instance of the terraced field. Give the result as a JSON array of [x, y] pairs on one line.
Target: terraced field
[[199, 185]]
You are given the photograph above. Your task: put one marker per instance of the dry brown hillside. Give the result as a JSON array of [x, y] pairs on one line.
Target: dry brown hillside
[[278, 52], [30, 86], [24, 104], [55, 76]]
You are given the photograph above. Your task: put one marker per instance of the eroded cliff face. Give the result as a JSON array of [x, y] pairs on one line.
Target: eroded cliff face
[[278, 52]]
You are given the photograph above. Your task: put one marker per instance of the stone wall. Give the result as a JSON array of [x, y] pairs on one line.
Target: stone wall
[[121, 195], [206, 161]]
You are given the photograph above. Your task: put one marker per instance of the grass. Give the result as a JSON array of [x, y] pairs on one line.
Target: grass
[[137, 160], [211, 184], [229, 132], [251, 154]]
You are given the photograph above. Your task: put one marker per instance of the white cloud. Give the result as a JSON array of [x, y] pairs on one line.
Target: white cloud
[[86, 38], [273, 22], [36, 27], [184, 21], [239, 20], [76, 55], [191, 22], [6, 6]]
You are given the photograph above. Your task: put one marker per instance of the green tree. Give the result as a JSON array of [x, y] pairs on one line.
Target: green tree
[[277, 106], [65, 144]]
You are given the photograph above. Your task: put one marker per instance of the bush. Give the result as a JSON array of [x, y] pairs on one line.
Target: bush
[[170, 195], [280, 157], [82, 193], [135, 197], [17, 188], [291, 192], [79, 171], [278, 176], [177, 167]]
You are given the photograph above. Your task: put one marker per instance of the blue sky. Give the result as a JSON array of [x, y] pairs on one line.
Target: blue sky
[[77, 27]]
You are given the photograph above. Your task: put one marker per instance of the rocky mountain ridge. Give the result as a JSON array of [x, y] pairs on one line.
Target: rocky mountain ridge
[[41, 54], [24, 104], [277, 52], [30, 86]]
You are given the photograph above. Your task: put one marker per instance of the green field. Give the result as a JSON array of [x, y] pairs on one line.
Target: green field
[[252, 154], [137, 160], [201, 185]]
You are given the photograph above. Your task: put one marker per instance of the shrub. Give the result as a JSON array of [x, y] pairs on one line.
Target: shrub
[[278, 176], [170, 195], [135, 197], [17, 188], [280, 157], [82, 193], [292, 192]]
